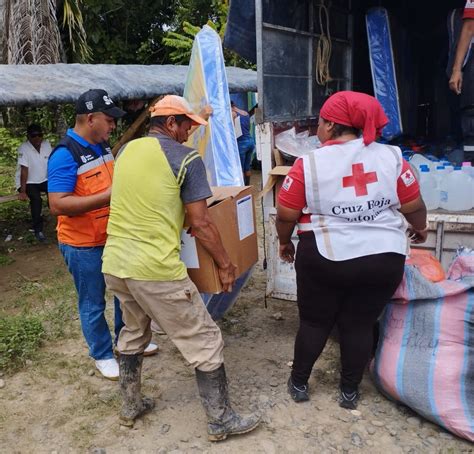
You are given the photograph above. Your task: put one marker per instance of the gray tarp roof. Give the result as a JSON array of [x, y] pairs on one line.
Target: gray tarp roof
[[63, 83]]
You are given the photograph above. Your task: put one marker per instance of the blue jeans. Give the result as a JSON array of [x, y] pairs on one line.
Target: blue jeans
[[246, 147], [85, 265]]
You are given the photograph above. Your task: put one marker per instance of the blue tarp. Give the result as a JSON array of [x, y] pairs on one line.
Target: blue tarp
[[383, 69]]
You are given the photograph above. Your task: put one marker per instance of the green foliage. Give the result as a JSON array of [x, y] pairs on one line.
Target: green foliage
[[44, 311], [5, 260], [15, 213], [125, 32], [9, 146], [200, 12], [180, 38], [20, 337], [52, 119], [57, 320], [182, 43], [73, 25]]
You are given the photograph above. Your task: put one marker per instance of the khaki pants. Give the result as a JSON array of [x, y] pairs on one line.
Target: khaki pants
[[178, 308]]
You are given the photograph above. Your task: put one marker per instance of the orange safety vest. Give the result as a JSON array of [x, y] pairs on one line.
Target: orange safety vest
[[94, 175]]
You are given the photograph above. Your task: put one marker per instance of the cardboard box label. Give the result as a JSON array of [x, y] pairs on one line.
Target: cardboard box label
[[189, 254], [245, 217]]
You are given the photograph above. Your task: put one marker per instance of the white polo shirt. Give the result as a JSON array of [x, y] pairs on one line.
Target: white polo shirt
[[37, 162]]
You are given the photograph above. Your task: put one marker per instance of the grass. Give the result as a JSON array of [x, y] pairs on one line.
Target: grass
[[20, 337], [15, 218], [7, 176], [41, 311], [5, 260]]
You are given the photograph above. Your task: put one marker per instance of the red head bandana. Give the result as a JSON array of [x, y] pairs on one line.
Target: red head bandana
[[359, 110]]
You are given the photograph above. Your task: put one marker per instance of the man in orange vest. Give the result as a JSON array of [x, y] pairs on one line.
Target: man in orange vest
[[80, 171]]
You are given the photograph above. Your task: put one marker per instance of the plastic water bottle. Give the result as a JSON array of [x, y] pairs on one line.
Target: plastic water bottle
[[467, 168], [434, 162], [418, 159], [449, 168], [456, 191], [438, 174], [429, 189]]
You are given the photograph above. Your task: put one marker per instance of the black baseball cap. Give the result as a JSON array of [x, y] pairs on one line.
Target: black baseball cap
[[97, 100], [34, 129]]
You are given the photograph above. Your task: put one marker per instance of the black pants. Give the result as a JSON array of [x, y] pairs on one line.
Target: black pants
[[33, 191], [349, 294]]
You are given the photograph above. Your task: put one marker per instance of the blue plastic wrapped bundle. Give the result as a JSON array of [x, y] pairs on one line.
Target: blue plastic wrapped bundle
[[206, 83], [383, 69]]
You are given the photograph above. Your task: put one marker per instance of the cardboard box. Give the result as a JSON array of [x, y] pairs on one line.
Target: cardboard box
[[276, 176], [232, 209]]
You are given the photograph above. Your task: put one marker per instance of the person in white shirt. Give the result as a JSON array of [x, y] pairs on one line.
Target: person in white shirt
[[31, 176]]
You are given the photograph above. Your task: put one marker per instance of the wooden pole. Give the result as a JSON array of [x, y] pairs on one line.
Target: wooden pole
[[131, 132]]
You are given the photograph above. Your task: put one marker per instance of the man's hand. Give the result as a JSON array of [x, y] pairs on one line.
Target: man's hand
[[206, 112], [227, 277], [22, 196], [455, 83], [287, 252], [462, 48]]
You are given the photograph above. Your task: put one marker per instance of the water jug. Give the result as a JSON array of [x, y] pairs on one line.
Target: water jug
[[418, 159], [438, 174], [429, 189], [456, 191], [467, 168]]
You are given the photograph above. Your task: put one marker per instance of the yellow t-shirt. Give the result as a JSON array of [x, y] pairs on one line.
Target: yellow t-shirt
[[147, 211]]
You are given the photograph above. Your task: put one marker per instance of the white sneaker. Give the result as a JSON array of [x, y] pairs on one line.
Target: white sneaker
[[151, 349], [109, 368]]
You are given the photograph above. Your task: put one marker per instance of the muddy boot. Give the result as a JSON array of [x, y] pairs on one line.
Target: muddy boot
[[222, 419], [130, 383]]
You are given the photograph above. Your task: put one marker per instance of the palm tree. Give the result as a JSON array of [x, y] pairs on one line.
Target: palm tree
[[32, 33]]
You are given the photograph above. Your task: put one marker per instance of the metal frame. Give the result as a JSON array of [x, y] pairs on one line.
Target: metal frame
[[342, 81]]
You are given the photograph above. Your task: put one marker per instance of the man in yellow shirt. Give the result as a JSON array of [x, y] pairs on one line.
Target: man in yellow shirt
[[157, 179]]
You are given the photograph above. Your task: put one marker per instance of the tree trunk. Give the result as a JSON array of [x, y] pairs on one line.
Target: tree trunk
[[32, 31], [3, 41]]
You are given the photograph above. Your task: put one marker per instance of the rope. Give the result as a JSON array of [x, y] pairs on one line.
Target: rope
[[323, 49]]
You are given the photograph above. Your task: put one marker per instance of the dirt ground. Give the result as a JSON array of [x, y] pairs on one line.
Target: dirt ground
[[58, 404]]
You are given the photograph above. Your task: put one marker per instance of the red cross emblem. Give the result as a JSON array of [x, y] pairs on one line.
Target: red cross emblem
[[359, 179]]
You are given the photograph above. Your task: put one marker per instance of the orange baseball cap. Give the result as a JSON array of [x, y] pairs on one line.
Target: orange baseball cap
[[175, 105]]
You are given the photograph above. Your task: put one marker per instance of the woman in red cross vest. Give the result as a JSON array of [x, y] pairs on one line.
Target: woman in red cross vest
[[351, 200]]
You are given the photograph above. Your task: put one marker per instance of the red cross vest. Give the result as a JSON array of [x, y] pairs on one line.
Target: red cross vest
[[94, 175], [351, 195]]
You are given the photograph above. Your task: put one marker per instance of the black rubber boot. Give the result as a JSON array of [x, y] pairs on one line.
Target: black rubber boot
[[222, 419], [133, 403]]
